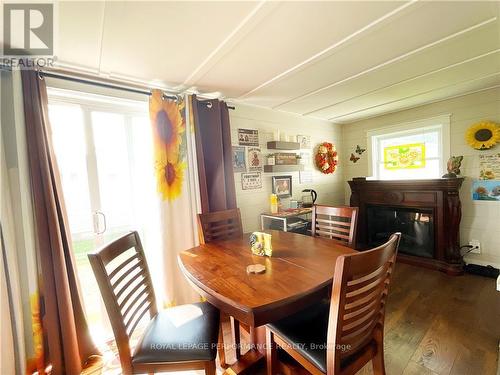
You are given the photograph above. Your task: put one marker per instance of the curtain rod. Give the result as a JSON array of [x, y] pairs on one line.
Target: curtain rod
[[113, 84], [100, 83]]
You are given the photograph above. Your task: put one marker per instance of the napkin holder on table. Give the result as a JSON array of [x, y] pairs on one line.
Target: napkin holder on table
[[261, 244]]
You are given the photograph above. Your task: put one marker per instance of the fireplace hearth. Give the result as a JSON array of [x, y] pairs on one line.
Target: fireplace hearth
[[426, 212]]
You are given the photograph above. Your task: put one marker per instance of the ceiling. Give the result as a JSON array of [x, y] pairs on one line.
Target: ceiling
[[340, 61]]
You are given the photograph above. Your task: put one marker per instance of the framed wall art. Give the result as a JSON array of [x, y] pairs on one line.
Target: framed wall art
[[239, 159], [248, 137], [282, 186], [250, 181]]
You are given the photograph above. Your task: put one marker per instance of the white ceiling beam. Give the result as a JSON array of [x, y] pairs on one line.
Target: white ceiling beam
[[406, 80], [493, 75], [331, 48], [261, 10], [388, 62], [494, 86]]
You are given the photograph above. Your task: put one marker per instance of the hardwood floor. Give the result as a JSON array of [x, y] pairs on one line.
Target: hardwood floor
[[437, 325], [440, 325]]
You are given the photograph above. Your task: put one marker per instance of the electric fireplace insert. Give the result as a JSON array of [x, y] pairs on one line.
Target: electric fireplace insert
[[415, 224]]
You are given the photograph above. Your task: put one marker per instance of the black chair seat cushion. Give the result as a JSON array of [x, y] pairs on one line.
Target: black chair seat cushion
[[306, 332], [182, 333]]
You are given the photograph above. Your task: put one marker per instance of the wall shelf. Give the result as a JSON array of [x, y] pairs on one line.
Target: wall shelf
[[279, 145], [283, 168]]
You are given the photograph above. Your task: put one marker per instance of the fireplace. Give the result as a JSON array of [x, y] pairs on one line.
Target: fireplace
[[426, 212], [415, 224]]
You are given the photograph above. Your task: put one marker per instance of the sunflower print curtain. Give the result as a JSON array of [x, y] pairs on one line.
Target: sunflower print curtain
[[178, 189], [169, 135]]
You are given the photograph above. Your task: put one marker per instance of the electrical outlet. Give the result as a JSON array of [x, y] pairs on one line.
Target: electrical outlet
[[476, 245]]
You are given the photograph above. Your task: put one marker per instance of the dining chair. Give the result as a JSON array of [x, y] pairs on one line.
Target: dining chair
[[340, 337], [222, 225], [219, 225], [337, 223], [176, 339]]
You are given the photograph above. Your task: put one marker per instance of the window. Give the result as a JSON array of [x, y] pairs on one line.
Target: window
[[104, 151], [415, 150]]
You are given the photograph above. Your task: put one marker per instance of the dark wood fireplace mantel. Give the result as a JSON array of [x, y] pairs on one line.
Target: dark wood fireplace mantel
[[439, 196]]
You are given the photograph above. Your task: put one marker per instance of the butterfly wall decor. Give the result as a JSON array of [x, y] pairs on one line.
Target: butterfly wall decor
[[360, 150], [353, 158]]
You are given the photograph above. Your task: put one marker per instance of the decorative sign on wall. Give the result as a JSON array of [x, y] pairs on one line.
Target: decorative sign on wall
[[305, 177], [239, 159], [254, 159], [486, 190], [248, 137], [304, 141], [483, 135], [305, 159], [489, 167], [407, 156], [251, 181]]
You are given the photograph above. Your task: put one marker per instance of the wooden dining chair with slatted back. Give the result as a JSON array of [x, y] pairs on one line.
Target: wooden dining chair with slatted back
[[217, 226], [176, 339], [336, 223], [340, 337]]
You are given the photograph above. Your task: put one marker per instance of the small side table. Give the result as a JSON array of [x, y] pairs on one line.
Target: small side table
[[284, 217]]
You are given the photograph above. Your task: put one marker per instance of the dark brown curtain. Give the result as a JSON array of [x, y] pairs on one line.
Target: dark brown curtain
[[67, 339], [214, 154]]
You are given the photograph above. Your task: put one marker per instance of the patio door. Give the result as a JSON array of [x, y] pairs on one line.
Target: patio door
[[104, 151]]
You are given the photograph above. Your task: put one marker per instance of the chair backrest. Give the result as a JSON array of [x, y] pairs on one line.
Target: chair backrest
[[127, 290], [219, 225], [359, 294], [337, 223]]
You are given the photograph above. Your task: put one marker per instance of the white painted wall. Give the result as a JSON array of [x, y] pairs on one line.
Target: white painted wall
[[330, 188], [480, 219]]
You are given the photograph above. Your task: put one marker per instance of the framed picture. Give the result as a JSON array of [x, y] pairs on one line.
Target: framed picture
[[304, 141], [251, 181], [254, 158], [282, 186], [248, 137], [486, 190], [239, 159]]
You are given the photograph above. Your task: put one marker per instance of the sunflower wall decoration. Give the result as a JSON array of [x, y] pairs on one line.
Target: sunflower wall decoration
[[169, 141], [326, 158], [483, 135]]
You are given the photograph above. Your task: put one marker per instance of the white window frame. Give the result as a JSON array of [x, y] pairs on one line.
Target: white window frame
[[440, 123], [90, 102], [133, 106]]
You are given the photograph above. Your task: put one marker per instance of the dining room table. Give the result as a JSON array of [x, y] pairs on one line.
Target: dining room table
[[299, 273]]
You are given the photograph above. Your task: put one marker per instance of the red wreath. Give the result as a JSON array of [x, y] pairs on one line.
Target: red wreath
[[326, 158]]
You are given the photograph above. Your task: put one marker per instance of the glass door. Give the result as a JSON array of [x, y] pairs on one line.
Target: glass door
[[104, 153]]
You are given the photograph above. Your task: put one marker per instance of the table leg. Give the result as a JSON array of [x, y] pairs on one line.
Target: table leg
[[246, 363], [236, 337], [221, 349]]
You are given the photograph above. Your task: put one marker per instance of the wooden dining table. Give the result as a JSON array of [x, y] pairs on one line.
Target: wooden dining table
[[298, 274]]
